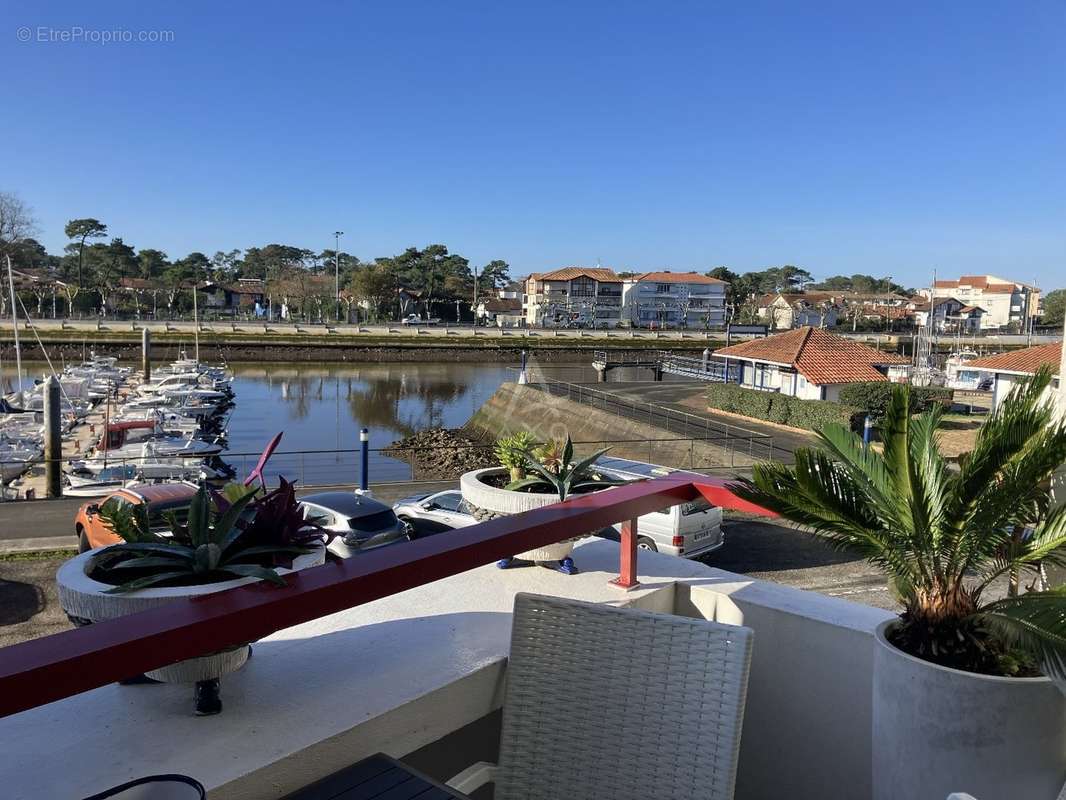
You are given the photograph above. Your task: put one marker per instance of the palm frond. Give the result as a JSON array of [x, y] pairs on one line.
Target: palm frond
[[1036, 622]]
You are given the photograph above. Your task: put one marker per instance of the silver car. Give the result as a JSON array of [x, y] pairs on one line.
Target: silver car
[[360, 522], [435, 513]]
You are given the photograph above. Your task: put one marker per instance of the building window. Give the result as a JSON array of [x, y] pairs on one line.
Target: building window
[[662, 288]]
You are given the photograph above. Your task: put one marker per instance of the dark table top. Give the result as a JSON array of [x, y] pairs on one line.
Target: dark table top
[[379, 777]]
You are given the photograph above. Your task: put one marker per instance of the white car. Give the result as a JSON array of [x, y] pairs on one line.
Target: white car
[[435, 513]]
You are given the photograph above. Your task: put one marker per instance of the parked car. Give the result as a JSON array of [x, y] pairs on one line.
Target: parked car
[[91, 531], [689, 530], [360, 522], [435, 513]]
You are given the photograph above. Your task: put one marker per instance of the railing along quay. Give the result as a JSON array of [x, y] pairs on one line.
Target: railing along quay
[[756, 446], [340, 467]]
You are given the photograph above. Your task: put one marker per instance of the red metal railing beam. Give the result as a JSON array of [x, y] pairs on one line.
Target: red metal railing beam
[[43, 670]]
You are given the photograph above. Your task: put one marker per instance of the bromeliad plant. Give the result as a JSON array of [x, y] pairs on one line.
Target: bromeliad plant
[[228, 535], [568, 476], [512, 452], [945, 536]]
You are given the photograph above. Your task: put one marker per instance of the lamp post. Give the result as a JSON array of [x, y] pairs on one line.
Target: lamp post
[[337, 274]]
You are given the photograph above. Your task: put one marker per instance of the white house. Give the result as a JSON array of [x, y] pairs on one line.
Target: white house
[[573, 297], [949, 315], [674, 300], [784, 310], [1010, 368], [809, 363], [1006, 304]]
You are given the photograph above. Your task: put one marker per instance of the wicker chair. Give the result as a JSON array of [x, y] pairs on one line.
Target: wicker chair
[[619, 703]]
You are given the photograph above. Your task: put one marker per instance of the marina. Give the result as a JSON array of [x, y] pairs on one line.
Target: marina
[[320, 407]]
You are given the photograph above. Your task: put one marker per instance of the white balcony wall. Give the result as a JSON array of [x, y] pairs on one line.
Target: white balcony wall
[[402, 673]]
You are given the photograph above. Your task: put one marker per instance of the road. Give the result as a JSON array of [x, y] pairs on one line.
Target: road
[[888, 340], [686, 398]]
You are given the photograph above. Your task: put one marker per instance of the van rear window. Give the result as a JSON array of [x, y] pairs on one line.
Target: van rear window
[[695, 507]]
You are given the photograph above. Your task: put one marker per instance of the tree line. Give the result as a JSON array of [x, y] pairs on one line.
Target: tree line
[[96, 264]]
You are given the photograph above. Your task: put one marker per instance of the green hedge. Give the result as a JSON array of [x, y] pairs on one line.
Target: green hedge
[[780, 408], [872, 397]]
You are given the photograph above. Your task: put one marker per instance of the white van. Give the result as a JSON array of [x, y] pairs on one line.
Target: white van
[[689, 530]]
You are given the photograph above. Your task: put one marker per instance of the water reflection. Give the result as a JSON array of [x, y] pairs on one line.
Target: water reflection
[[323, 406]]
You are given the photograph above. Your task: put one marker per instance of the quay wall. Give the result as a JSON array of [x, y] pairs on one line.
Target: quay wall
[[514, 407], [317, 348]]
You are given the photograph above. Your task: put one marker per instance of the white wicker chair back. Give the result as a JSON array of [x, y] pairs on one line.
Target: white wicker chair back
[[606, 702]]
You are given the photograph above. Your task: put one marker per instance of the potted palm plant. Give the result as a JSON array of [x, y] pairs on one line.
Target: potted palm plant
[[228, 539], [494, 492], [964, 680]]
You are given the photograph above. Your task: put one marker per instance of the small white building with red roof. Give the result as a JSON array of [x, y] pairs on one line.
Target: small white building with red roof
[[810, 363]]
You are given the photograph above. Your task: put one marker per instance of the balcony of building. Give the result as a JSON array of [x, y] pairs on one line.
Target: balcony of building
[[404, 650]]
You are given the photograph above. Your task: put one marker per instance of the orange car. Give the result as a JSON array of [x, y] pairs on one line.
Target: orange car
[[91, 530]]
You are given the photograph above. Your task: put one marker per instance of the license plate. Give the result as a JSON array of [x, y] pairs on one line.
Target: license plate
[[703, 535]]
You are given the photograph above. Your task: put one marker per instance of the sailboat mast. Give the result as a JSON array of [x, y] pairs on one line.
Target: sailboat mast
[[195, 324], [14, 322]]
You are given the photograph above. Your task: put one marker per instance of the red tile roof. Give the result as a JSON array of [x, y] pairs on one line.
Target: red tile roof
[[569, 273], [1025, 361], [677, 277], [821, 357]]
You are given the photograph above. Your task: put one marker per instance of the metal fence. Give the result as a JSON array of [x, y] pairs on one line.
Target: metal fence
[[698, 450], [735, 440]]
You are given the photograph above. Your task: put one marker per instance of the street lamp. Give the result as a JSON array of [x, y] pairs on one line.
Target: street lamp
[[337, 274]]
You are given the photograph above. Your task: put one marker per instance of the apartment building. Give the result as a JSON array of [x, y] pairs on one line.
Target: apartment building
[[1006, 304], [573, 297], [674, 300]]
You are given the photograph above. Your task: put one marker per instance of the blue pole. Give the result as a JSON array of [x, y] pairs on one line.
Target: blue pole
[[523, 361], [364, 472], [867, 430]]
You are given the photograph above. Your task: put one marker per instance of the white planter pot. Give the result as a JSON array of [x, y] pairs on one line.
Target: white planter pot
[[938, 730], [81, 596], [505, 503]]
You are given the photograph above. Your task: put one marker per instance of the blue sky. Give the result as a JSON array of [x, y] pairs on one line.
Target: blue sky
[[885, 138]]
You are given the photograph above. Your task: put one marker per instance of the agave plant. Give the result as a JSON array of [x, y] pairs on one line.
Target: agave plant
[[570, 478], [945, 535], [217, 542], [512, 452]]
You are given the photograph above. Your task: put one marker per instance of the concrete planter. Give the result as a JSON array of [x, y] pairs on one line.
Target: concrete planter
[[938, 730], [83, 597], [501, 502]]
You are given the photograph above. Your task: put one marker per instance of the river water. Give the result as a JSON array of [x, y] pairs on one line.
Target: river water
[[321, 407]]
